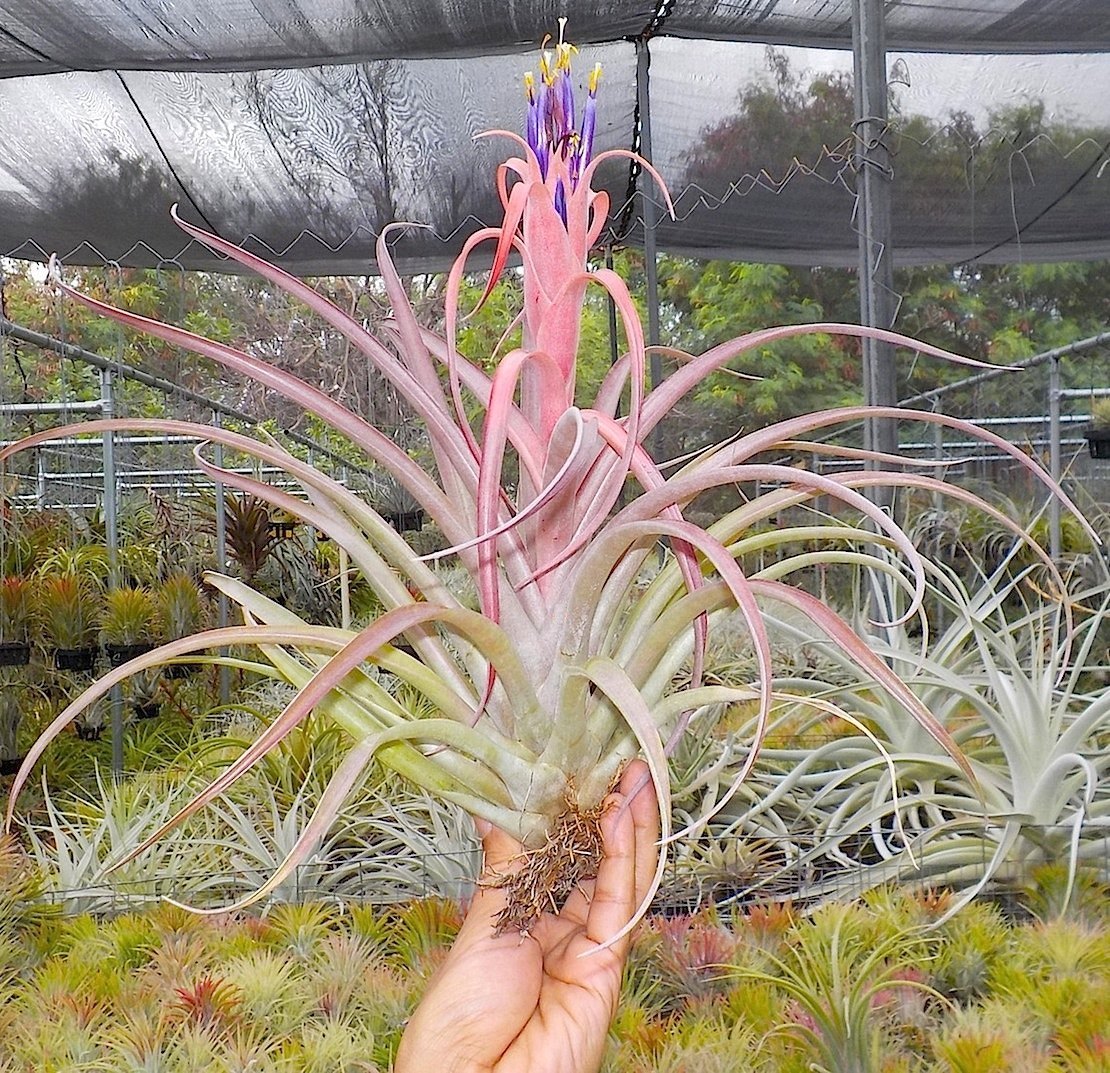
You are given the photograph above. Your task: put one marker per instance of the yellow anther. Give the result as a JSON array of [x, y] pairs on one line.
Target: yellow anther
[[563, 53], [594, 77], [529, 85]]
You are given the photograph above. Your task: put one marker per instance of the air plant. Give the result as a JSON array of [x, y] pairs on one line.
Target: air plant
[[180, 607], [250, 537], [570, 666], [128, 616], [838, 977], [1008, 675], [17, 600], [69, 606]]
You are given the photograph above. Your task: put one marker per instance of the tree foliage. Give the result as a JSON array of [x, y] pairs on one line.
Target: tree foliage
[[790, 119]]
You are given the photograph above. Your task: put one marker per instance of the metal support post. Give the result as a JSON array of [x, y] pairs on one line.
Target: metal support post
[[874, 182], [221, 558], [344, 576], [111, 537], [651, 221], [1054, 457]]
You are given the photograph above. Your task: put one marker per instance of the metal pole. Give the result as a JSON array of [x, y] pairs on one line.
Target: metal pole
[[168, 387], [51, 407], [651, 220], [221, 558], [111, 537], [1054, 462], [344, 580], [614, 349], [874, 183], [1078, 347]]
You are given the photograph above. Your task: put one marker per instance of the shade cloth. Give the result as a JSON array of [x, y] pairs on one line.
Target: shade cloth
[[303, 127]]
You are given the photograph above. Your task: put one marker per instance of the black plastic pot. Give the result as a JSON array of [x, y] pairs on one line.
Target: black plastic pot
[[180, 670], [1098, 442], [14, 654], [150, 709], [283, 530], [405, 521], [75, 659], [120, 654]]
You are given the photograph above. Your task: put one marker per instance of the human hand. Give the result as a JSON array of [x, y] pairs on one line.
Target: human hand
[[534, 1004]]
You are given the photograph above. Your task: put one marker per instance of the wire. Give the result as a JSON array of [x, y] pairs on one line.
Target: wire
[[19, 42], [162, 153], [1100, 160]]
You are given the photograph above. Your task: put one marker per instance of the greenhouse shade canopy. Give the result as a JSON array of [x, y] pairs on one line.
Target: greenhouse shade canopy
[[302, 128]]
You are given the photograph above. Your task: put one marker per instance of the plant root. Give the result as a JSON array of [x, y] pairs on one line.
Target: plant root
[[549, 875]]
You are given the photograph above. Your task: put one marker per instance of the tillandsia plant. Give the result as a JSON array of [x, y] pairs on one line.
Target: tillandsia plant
[[571, 665]]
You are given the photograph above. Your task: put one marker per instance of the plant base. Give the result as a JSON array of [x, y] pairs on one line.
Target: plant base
[[550, 874]]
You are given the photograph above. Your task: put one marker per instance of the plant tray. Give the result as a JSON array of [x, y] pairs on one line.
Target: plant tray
[[120, 654], [405, 521], [75, 659], [283, 530], [1098, 443], [14, 654]]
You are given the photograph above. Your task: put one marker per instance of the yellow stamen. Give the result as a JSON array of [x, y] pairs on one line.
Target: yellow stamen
[[594, 77], [563, 53]]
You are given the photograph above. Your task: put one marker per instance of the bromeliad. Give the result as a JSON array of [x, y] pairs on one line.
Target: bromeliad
[[573, 663]]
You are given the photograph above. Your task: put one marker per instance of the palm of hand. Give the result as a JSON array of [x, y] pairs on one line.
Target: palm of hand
[[540, 1003]]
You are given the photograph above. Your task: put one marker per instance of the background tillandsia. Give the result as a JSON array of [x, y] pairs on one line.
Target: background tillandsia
[[572, 664]]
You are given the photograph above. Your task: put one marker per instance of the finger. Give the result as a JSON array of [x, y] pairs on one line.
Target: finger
[[614, 897], [640, 794], [501, 854]]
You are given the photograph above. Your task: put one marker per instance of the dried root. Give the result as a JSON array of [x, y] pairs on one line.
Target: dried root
[[550, 874]]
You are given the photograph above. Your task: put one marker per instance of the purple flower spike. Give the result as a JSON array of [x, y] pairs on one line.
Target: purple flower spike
[[589, 123], [535, 120], [550, 125], [561, 201]]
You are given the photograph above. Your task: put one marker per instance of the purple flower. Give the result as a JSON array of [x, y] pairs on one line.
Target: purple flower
[[550, 126]]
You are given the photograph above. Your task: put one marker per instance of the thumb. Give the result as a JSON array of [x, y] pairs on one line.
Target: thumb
[[500, 849]]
